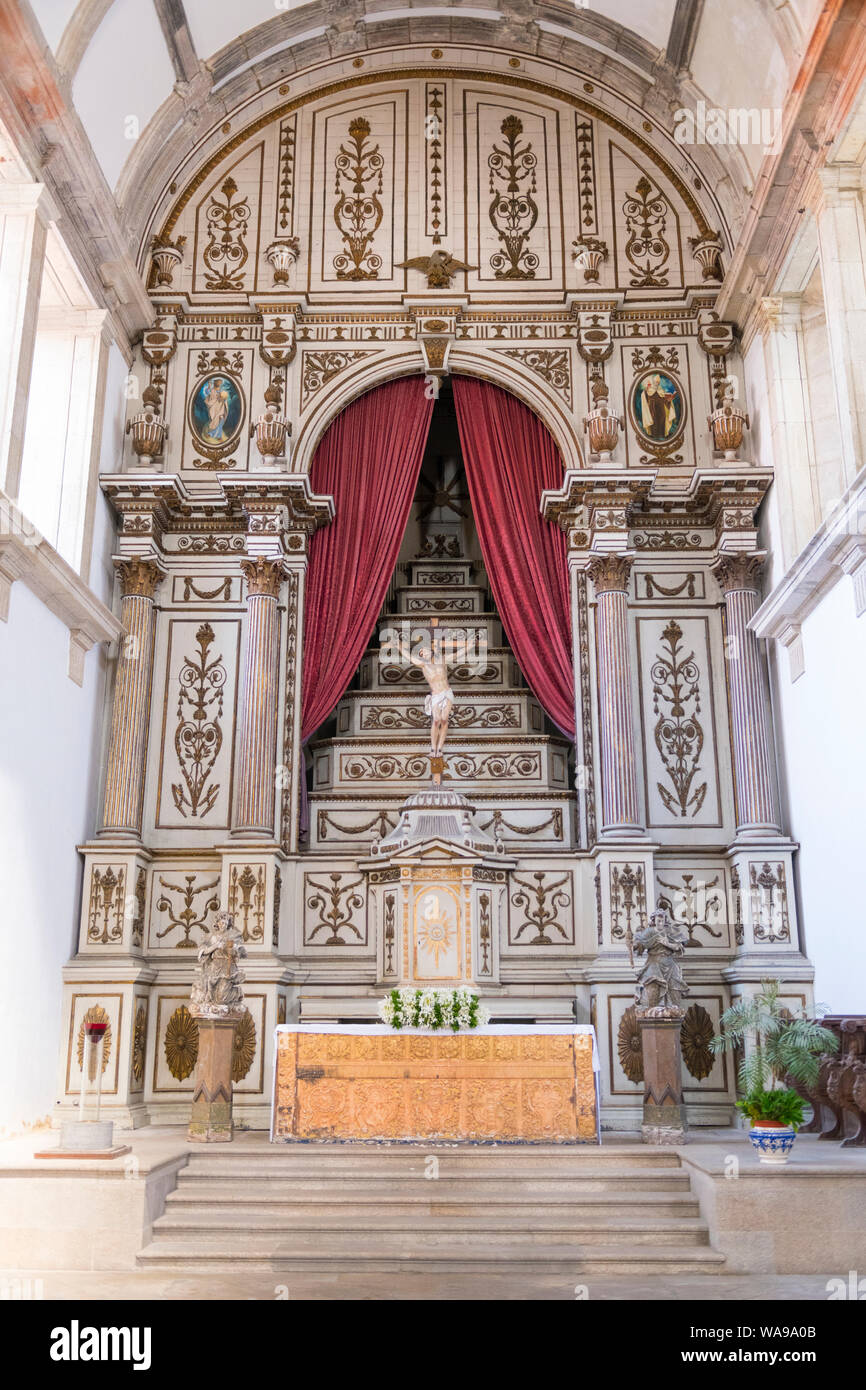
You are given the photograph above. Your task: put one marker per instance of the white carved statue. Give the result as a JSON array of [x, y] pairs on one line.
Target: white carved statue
[[440, 702], [217, 987]]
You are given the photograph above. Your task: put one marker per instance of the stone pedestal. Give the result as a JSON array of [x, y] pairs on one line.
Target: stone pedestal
[[211, 1119], [664, 1111]]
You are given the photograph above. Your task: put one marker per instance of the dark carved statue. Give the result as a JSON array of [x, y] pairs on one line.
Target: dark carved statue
[[660, 983]]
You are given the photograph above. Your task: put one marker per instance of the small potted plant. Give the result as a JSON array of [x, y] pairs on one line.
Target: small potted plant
[[779, 1047]]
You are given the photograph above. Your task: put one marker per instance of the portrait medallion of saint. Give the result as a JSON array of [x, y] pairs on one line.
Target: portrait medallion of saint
[[657, 407], [215, 412]]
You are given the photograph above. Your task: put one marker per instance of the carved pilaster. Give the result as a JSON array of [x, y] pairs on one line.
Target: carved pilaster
[[257, 731], [739, 576], [620, 807], [130, 715]]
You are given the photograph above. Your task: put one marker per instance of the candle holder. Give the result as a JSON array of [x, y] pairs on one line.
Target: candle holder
[[89, 1138]]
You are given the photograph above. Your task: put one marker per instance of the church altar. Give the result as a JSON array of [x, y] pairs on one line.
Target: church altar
[[509, 1083]]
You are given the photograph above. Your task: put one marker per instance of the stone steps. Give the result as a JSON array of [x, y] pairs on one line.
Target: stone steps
[[564, 1210], [273, 1255], [352, 1159], [557, 1207], [433, 1226]]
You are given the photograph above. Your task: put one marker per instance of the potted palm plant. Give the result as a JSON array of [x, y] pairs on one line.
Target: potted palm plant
[[779, 1047]]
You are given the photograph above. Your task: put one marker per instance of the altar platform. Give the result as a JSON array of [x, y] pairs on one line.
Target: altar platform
[[502, 1083]]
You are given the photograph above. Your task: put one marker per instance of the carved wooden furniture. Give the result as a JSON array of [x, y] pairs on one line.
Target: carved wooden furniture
[[505, 1083]]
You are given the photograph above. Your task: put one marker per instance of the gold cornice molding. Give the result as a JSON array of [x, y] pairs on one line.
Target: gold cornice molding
[[424, 71]]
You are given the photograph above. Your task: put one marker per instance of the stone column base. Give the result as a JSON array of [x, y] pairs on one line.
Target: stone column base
[[211, 1119]]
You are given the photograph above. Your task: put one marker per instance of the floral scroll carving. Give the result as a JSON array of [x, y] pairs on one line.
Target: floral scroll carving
[[184, 912], [513, 210], [358, 211], [198, 737], [541, 904], [226, 253], [335, 904], [679, 735], [646, 212], [107, 904], [247, 900]]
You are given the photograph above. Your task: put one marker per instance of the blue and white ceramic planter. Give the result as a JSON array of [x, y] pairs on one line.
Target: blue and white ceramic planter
[[772, 1145]]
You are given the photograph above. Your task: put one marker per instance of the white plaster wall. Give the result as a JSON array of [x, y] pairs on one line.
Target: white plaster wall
[[822, 752], [125, 75], [53, 740], [53, 17], [820, 723]]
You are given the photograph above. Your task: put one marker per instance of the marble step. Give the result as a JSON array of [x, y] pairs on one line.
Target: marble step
[[274, 1253], [480, 1161], [338, 822], [477, 632], [257, 1152], [498, 671], [495, 1186], [387, 1229], [383, 714], [420, 603], [445, 570], [534, 764], [357, 1201]]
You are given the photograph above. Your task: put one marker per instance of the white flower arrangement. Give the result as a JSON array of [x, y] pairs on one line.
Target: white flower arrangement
[[457, 1009]]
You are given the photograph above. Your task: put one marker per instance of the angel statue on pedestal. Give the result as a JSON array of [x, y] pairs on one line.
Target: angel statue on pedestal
[[217, 987], [660, 984]]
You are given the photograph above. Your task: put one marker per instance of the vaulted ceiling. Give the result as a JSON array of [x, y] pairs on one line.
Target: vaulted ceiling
[[110, 103], [164, 67]]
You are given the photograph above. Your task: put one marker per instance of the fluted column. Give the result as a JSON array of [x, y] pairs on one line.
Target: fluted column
[[620, 806], [757, 806], [130, 714], [257, 732]]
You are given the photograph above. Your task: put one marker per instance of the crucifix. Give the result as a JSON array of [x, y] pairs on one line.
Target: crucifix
[[439, 702]]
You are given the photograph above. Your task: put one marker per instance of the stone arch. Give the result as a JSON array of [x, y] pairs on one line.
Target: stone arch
[[154, 192], [463, 362]]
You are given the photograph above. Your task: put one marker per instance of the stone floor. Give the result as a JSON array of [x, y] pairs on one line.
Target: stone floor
[[147, 1284], [154, 1148]]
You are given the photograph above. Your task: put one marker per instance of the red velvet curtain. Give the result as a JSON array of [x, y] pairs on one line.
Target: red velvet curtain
[[369, 461], [510, 458]]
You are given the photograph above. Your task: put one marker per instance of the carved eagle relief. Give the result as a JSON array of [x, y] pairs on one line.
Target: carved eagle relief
[[440, 268]]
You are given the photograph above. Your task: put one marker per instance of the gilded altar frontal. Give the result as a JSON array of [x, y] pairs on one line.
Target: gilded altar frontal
[[432, 579]]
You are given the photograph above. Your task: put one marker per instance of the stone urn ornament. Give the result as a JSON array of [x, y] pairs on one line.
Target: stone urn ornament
[[148, 429], [272, 429], [602, 425], [281, 255], [727, 423], [588, 255], [166, 256]]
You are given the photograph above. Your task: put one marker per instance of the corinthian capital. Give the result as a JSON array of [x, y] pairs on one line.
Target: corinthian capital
[[263, 576], [739, 570], [610, 573], [138, 578]]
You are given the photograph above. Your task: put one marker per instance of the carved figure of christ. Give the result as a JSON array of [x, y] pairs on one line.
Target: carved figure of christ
[[440, 701]]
